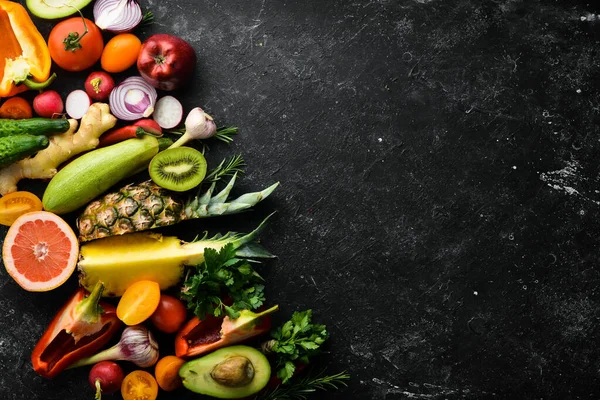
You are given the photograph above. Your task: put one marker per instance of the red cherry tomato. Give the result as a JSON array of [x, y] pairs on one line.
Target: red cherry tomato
[[83, 50], [169, 315]]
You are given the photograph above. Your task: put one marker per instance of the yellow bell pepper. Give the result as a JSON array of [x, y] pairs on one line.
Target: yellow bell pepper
[[24, 56]]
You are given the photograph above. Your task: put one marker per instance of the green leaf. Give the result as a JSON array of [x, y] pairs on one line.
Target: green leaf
[[223, 274]]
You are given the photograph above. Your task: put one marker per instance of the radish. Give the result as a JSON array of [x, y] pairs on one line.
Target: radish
[[106, 377], [48, 104], [77, 104], [168, 112], [98, 85]]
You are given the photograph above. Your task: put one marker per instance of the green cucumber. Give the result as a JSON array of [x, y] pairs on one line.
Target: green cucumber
[[18, 147], [90, 175], [33, 126]]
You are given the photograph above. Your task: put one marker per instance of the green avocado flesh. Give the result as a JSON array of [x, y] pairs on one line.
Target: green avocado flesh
[[54, 9], [229, 373]]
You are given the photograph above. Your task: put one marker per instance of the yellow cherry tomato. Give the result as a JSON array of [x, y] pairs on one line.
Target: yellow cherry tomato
[[15, 204], [167, 373], [139, 385], [138, 303], [120, 53]]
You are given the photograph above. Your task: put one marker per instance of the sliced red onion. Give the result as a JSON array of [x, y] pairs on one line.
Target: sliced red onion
[[132, 99], [117, 15]]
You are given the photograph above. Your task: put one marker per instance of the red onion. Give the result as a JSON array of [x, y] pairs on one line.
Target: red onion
[[117, 15], [132, 99]]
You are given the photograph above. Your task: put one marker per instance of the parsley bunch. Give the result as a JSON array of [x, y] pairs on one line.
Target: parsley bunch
[[295, 341], [222, 275]]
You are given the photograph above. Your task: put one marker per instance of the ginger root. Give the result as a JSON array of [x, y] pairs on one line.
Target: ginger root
[[62, 147]]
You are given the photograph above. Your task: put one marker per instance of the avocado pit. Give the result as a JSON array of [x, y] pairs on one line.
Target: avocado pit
[[236, 371]]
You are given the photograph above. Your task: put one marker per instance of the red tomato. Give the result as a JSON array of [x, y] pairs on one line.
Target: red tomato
[[82, 50], [169, 315]]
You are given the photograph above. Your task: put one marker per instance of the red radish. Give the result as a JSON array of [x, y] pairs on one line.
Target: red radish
[[48, 103], [98, 85], [106, 377], [149, 125], [168, 112], [77, 104]]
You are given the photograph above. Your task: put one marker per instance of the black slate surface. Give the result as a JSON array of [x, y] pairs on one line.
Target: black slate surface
[[439, 196]]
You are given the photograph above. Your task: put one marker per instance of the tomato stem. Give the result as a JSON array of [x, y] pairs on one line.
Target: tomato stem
[[73, 40]]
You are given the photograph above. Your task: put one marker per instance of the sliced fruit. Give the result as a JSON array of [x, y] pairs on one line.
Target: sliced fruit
[[178, 169], [54, 9], [15, 204], [229, 373], [167, 373], [138, 302], [139, 385], [40, 251]]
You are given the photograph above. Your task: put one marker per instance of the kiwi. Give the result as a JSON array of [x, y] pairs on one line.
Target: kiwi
[[178, 169]]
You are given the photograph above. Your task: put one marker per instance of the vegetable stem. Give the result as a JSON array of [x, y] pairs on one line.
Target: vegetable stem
[[38, 85], [73, 40]]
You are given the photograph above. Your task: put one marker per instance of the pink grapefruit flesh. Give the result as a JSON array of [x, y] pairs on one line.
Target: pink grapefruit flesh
[[40, 251]]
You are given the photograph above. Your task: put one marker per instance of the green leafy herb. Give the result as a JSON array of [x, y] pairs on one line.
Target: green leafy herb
[[300, 389], [222, 275], [227, 167], [295, 341]]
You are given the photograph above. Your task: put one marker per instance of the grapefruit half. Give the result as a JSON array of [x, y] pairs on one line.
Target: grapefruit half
[[40, 251]]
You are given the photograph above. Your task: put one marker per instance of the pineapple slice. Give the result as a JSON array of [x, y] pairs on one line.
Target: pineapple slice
[[119, 261]]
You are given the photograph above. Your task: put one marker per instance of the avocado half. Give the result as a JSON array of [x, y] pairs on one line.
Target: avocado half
[[54, 9], [229, 373]]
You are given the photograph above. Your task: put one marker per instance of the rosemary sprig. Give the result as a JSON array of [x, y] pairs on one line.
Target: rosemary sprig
[[147, 19], [227, 167], [300, 389], [226, 134]]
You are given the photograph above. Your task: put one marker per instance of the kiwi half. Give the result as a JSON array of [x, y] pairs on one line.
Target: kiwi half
[[178, 169]]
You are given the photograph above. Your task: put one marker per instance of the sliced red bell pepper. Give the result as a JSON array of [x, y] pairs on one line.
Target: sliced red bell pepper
[[80, 328], [197, 336]]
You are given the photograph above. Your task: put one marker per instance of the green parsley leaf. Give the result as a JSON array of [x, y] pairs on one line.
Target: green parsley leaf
[[297, 340], [223, 275]]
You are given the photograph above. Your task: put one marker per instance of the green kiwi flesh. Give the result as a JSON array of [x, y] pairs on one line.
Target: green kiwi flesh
[[178, 169]]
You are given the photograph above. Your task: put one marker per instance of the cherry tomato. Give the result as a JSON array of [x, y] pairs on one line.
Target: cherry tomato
[[82, 50], [169, 315], [167, 372], [138, 302], [120, 53], [15, 204], [139, 385]]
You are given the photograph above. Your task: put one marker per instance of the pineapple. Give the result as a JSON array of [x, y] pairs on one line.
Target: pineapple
[[120, 261], [146, 206]]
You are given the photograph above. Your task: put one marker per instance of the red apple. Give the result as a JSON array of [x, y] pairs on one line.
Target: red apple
[[166, 62]]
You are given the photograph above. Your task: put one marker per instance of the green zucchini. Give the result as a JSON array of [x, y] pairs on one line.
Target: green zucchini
[[18, 147], [90, 175], [33, 126]]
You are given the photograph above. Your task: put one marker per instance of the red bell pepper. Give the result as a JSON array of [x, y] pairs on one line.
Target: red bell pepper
[[81, 327], [201, 336]]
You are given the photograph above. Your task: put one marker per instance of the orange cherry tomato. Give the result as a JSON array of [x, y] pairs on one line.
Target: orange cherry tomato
[[139, 385], [81, 51], [169, 315], [120, 53], [138, 302], [16, 108], [15, 204], [167, 372]]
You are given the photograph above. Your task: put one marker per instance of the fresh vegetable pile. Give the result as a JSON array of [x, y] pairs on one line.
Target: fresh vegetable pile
[[207, 296]]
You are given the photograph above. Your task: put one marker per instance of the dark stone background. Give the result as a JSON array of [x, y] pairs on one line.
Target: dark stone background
[[439, 197]]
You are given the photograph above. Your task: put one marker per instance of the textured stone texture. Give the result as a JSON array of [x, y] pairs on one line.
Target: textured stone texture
[[439, 197]]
